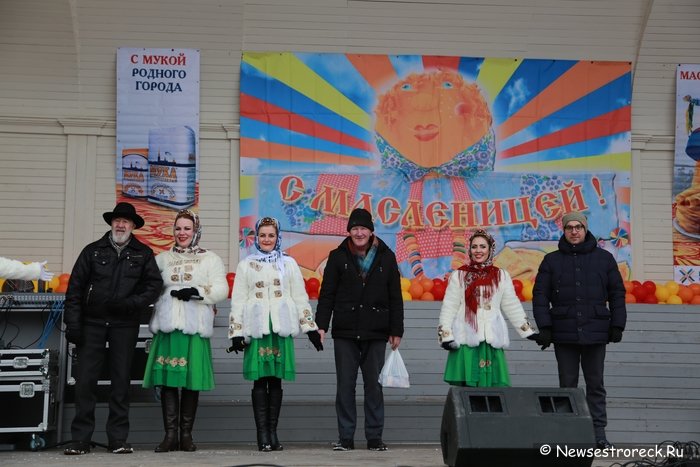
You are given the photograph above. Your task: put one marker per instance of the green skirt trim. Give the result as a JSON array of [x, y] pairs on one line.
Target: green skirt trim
[[481, 366], [270, 355], [180, 360]]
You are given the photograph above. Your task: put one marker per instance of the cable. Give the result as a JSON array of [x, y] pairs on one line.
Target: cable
[[42, 312], [5, 305], [52, 322]]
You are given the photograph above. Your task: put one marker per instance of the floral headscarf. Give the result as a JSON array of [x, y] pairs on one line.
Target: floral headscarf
[[193, 247], [275, 256], [480, 279]]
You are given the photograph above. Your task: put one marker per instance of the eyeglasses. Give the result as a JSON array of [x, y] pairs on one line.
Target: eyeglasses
[[574, 228]]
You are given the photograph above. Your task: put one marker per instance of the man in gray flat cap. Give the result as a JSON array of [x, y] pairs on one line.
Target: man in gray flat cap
[[579, 305]]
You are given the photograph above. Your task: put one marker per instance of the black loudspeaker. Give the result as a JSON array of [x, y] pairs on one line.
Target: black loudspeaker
[[511, 426]]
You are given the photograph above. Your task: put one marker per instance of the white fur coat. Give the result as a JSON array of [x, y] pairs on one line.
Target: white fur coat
[[261, 294], [13, 269], [491, 327], [203, 271]]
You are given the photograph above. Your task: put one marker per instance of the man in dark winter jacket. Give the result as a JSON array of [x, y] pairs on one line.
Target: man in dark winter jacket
[[579, 305], [114, 281], [361, 289]]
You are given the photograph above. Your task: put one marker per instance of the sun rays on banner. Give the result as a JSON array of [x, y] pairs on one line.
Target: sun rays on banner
[[321, 133]]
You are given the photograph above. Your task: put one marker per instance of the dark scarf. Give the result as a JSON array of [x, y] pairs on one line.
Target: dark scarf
[[364, 258], [118, 248]]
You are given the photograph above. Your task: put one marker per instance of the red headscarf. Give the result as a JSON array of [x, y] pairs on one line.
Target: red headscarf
[[480, 279]]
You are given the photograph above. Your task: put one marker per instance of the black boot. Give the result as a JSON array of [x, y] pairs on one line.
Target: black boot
[[275, 400], [170, 403], [260, 411], [188, 409]]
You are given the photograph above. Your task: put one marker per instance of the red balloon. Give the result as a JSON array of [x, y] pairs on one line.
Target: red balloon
[[650, 287], [312, 284], [313, 295], [439, 288], [636, 283], [230, 277], [518, 286], [640, 293], [651, 299]]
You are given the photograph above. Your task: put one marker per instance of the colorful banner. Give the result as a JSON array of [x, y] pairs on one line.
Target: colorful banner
[[435, 147], [158, 136], [686, 177]]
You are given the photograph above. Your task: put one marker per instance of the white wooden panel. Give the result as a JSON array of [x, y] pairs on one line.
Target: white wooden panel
[[32, 189], [59, 61]]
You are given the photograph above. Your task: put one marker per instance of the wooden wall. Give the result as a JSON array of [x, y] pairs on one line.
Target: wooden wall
[[58, 102]]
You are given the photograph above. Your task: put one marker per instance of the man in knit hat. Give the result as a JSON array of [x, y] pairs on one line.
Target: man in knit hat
[[361, 290], [579, 305]]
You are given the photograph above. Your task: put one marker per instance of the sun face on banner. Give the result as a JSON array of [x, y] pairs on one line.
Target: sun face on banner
[[435, 147], [430, 117]]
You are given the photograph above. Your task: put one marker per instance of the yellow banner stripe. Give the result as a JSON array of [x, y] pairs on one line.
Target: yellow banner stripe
[[495, 73], [248, 190], [619, 162], [286, 68]]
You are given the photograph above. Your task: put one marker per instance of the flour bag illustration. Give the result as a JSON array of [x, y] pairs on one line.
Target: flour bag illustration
[[172, 163], [135, 172]]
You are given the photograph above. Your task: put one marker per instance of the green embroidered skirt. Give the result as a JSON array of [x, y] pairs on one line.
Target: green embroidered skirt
[[481, 366], [271, 355], [180, 360]]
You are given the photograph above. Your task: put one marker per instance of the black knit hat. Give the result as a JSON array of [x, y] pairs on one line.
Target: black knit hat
[[360, 217]]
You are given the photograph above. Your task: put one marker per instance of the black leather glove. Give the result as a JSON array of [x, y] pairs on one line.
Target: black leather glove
[[184, 294], [544, 338], [533, 337], [452, 345], [315, 339], [74, 335], [237, 344], [614, 334]]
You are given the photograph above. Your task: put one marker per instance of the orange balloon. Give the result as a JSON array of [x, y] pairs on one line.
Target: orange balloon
[[427, 296], [628, 286], [416, 290], [427, 284], [629, 298], [695, 288], [695, 300], [64, 278], [685, 293]]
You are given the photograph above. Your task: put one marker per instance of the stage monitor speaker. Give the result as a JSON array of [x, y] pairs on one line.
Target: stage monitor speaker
[[510, 426]]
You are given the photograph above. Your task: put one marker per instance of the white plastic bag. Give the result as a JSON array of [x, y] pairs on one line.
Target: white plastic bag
[[394, 373]]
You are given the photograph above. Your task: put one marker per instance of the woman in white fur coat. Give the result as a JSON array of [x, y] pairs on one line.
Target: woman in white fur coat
[[269, 306], [471, 324], [180, 360]]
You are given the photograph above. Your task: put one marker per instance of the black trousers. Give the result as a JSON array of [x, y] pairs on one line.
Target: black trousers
[[91, 356], [351, 355], [591, 358]]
